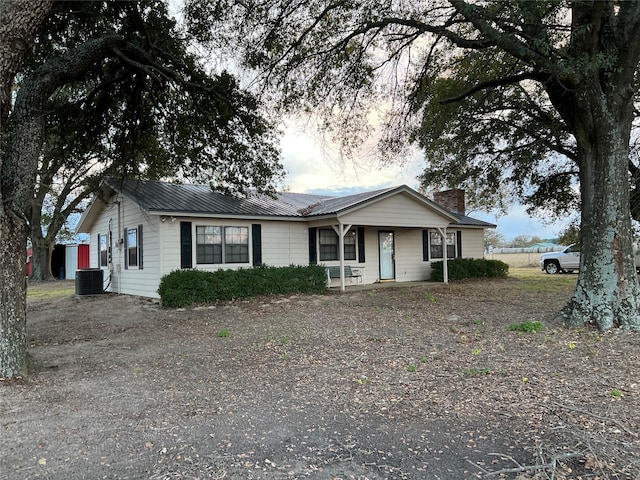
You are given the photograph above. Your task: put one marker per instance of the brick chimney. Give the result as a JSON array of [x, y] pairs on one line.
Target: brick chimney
[[452, 200]]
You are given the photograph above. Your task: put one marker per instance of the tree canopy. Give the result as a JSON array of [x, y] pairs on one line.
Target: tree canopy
[[506, 98], [344, 59], [151, 107], [152, 111], [115, 86]]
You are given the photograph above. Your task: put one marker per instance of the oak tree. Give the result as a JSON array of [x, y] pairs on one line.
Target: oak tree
[[116, 83], [574, 63]]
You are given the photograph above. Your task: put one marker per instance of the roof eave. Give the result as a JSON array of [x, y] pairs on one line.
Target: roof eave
[[388, 193], [182, 213]]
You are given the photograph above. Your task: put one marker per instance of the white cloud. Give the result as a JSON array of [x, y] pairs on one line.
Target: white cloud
[[314, 166]]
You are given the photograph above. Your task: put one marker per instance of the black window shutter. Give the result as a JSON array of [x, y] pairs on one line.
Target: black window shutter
[[125, 242], [313, 251], [140, 265], [459, 243], [361, 245], [185, 245], [99, 253], [256, 243], [425, 245]]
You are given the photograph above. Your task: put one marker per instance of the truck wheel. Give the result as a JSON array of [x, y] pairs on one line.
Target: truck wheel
[[552, 267]]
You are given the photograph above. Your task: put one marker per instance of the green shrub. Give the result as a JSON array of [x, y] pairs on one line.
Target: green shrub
[[185, 287], [460, 268]]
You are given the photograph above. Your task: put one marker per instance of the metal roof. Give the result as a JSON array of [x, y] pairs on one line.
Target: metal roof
[[472, 222], [164, 197]]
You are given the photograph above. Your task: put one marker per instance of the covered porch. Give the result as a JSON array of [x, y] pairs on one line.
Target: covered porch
[[358, 255]]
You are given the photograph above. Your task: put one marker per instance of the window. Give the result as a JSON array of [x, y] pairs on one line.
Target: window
[[451, 245], [350, 245], [216, 245], [329, 244], [236, 245], [208, 244], [132, 247], [435, 245], [103, 251]]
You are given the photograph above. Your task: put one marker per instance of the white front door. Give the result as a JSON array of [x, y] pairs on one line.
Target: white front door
[[387, 255]]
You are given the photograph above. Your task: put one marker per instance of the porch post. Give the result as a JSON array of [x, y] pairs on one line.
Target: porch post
[[445, 267], [341, 231], [341, 256]]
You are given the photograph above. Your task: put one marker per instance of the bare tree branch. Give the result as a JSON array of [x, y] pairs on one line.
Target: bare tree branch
[[497, 82]]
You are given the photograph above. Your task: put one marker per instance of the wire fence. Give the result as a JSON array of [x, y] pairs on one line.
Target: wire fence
[[555, 248]]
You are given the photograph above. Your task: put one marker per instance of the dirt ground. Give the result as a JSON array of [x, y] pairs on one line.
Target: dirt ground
[[422, 382]]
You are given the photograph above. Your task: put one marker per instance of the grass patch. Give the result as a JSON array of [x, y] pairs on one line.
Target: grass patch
[[51, 290], [430, 298], [535, 280], [476, 372], [527, 327]]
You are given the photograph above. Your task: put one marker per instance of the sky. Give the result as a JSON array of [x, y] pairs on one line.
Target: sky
[[312, 167]]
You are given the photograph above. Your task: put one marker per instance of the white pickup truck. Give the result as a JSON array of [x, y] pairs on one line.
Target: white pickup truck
[[568, 260]]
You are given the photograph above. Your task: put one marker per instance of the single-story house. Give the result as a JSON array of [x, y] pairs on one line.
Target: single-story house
[[143, 230]]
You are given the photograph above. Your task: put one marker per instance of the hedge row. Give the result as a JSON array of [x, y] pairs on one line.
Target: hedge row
[[460, 268], [186, 287]]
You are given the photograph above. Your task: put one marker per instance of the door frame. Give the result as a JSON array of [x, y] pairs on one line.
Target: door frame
[[393, 255]]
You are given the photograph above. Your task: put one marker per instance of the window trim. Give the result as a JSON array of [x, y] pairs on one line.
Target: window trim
[[103, 239], [225, 252], [129, 248], [450, 240], [351, 246]]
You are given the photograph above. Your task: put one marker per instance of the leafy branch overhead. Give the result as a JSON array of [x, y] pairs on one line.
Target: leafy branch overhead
[[124, 96], [142, 101], [482, 86], [519, 100]]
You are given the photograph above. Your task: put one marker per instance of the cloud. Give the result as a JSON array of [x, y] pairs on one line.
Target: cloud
[[314, 166]]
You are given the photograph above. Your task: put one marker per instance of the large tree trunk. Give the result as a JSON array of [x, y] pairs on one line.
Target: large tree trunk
[[607, 293], [42, 245], [41, 260], [18, 179], [19, 21], [13, 256]]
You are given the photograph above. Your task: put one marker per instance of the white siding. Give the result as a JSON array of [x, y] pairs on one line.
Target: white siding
[[408, 256], [70, 262], [396, 211], [409, 264], [134, 280], [170, 244], [285, 243], [472, 243], [123, 214], [108, 214]]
